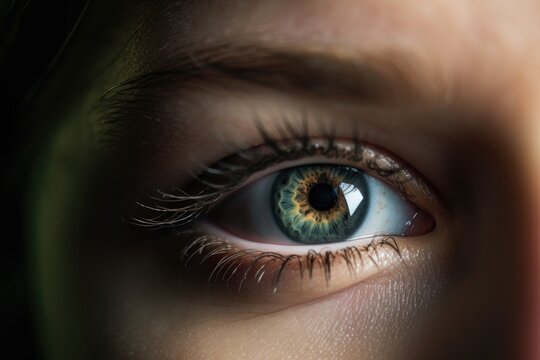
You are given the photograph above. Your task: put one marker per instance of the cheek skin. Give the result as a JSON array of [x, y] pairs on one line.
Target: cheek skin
[[375, 318]]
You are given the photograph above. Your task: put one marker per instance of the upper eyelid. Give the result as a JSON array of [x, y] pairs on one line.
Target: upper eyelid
[[166, 215]]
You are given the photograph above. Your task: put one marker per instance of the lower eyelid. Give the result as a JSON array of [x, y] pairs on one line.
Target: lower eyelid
[[292, 249], [270, 276]]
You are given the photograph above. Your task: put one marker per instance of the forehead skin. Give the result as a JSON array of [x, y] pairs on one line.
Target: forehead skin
[[480, 50]]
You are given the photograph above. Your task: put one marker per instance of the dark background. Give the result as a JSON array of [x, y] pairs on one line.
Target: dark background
[[32, 37]]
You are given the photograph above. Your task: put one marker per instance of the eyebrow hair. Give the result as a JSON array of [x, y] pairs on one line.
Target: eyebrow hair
[[377, 79]]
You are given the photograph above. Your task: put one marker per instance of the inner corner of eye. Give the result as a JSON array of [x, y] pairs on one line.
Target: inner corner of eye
[[317, 204]]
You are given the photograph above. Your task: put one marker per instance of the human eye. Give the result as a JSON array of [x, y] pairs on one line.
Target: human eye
[[304, 215], [318, 204]]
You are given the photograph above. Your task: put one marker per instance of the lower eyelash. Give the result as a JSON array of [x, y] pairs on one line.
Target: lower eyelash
[[232, 263]]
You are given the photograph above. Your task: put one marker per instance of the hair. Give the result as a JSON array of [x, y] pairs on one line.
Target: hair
[[33, 37]]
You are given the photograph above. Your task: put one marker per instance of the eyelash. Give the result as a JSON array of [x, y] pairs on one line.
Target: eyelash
[[181, 210], [297, 146], [255, 261]]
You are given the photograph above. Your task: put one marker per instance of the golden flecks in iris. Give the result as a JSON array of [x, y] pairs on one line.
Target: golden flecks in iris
[[301, 200]]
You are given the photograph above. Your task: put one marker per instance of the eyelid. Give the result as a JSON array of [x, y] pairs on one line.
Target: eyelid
[[253, 272], [181, 208], [257, 273], [300, 250]]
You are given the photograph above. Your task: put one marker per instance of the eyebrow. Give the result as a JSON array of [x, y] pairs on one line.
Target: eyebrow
[[376, 79]]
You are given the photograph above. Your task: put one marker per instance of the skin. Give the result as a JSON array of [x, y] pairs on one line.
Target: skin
[[467, 289]]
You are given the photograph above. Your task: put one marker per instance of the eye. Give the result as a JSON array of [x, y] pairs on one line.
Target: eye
[[295, 214], [318, 204]]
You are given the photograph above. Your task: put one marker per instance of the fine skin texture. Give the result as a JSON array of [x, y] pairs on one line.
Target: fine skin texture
[[449, 88]]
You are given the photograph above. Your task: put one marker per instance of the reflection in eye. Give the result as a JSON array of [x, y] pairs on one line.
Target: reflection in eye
[[317, 204]]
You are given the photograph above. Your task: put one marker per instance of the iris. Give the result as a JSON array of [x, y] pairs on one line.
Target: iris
[[317, 204]]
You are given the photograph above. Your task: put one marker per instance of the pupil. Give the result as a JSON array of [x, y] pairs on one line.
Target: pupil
[[323, 197]]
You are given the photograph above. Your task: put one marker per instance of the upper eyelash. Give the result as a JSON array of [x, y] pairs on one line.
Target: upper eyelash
[[179, 208]]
